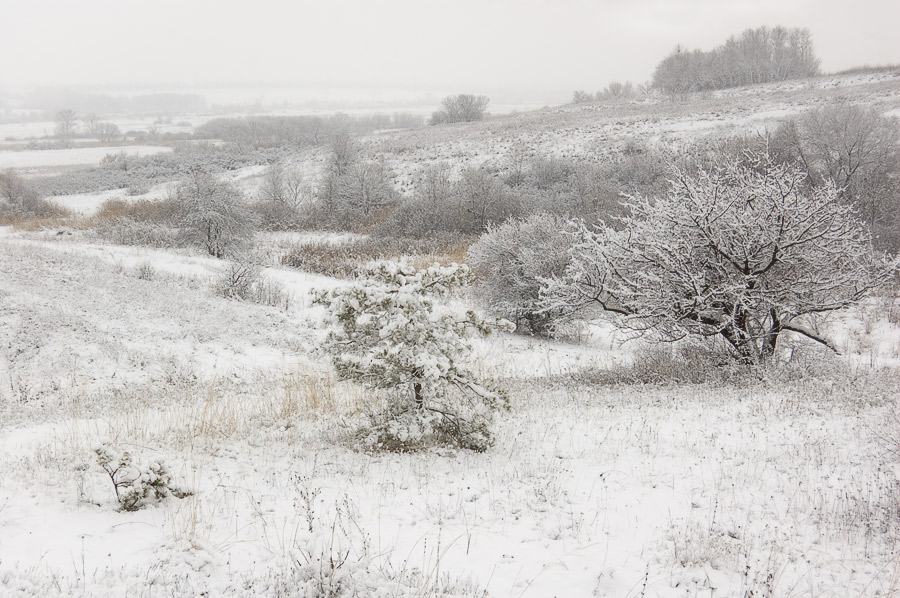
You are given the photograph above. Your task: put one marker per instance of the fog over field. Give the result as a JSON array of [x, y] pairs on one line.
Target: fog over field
[[451, 298], [356, 51]]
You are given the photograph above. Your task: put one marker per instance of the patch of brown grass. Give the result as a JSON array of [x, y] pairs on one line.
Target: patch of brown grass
[[343, 260]]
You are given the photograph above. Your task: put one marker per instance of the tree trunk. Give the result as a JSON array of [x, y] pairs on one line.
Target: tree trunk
[[771, 338], [418, 397], [417, 393]]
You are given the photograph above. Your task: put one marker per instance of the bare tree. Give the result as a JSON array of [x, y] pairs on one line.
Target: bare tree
[[285, 187], [480, 199], [65, 124], [367, 187], [858, 149], [581, 97], [89, 122], [742, 253], [460, 108], [106, 131]]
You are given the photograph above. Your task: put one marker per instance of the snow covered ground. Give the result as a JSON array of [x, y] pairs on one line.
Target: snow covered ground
[[71, 157], [781, 486], [785, 487]]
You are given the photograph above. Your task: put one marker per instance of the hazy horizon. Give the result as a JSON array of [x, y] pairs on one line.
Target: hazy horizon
[[531, 46]]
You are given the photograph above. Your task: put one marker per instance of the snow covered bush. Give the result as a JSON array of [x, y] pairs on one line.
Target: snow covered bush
[[390, 332], [511, 262], [136, 484], [20, 201], [244, 280], [213, 215], [741, 253]]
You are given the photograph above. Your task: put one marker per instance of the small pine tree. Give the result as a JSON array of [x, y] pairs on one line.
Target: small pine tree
[[388, 332], [136, 484]]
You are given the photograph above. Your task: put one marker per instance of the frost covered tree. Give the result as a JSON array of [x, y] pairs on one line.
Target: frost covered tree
[[512, 261], [213, 214], [89, 122], [742, 253], [390, 331]]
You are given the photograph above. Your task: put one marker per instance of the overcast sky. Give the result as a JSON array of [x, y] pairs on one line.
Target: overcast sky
[[465, 45]]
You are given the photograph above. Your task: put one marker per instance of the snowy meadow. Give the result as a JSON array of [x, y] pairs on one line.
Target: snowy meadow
[[132, 360]]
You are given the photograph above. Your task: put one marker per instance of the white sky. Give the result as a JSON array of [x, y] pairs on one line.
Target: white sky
[[466, 45]]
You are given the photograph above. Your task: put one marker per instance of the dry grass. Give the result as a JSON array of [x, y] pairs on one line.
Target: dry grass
[[344, 260], [38, 214], [143, 210]]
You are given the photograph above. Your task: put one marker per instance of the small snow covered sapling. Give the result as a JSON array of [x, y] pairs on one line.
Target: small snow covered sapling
[[389, 332], [136, 484]]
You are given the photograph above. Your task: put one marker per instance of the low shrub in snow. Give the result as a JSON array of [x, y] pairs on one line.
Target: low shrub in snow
[[390, 332], [245, 280], [19, 202], [136, 484]]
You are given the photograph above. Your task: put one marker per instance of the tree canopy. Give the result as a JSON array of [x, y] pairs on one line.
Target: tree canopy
[[743, 252]]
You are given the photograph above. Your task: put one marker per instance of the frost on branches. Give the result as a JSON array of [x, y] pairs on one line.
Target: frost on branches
[[742, 253], [390, 332]]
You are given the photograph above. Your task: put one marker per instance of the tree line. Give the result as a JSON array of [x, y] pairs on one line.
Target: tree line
[[761, 55]]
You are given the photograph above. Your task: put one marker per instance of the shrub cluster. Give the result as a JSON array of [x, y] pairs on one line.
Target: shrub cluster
[[145, 222], [244, 280], [20, 202]]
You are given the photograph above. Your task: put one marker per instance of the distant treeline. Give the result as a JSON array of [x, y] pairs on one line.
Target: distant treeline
[[273, 131], [758, 55]]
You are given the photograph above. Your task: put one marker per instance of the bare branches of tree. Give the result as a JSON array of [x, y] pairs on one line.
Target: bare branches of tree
[[742, 253]]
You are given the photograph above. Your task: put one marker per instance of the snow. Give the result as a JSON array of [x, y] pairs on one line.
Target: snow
[[589, 490], [784, 485], [71, 157], [87, 204]]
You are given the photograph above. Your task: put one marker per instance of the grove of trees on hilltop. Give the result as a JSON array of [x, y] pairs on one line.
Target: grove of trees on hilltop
[[759, 55]]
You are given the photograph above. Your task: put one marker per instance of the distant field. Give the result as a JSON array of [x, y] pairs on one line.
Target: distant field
[[71, 157]]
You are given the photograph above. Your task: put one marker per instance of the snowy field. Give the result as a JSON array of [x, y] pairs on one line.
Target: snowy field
[[71, 157], [780, 485]]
